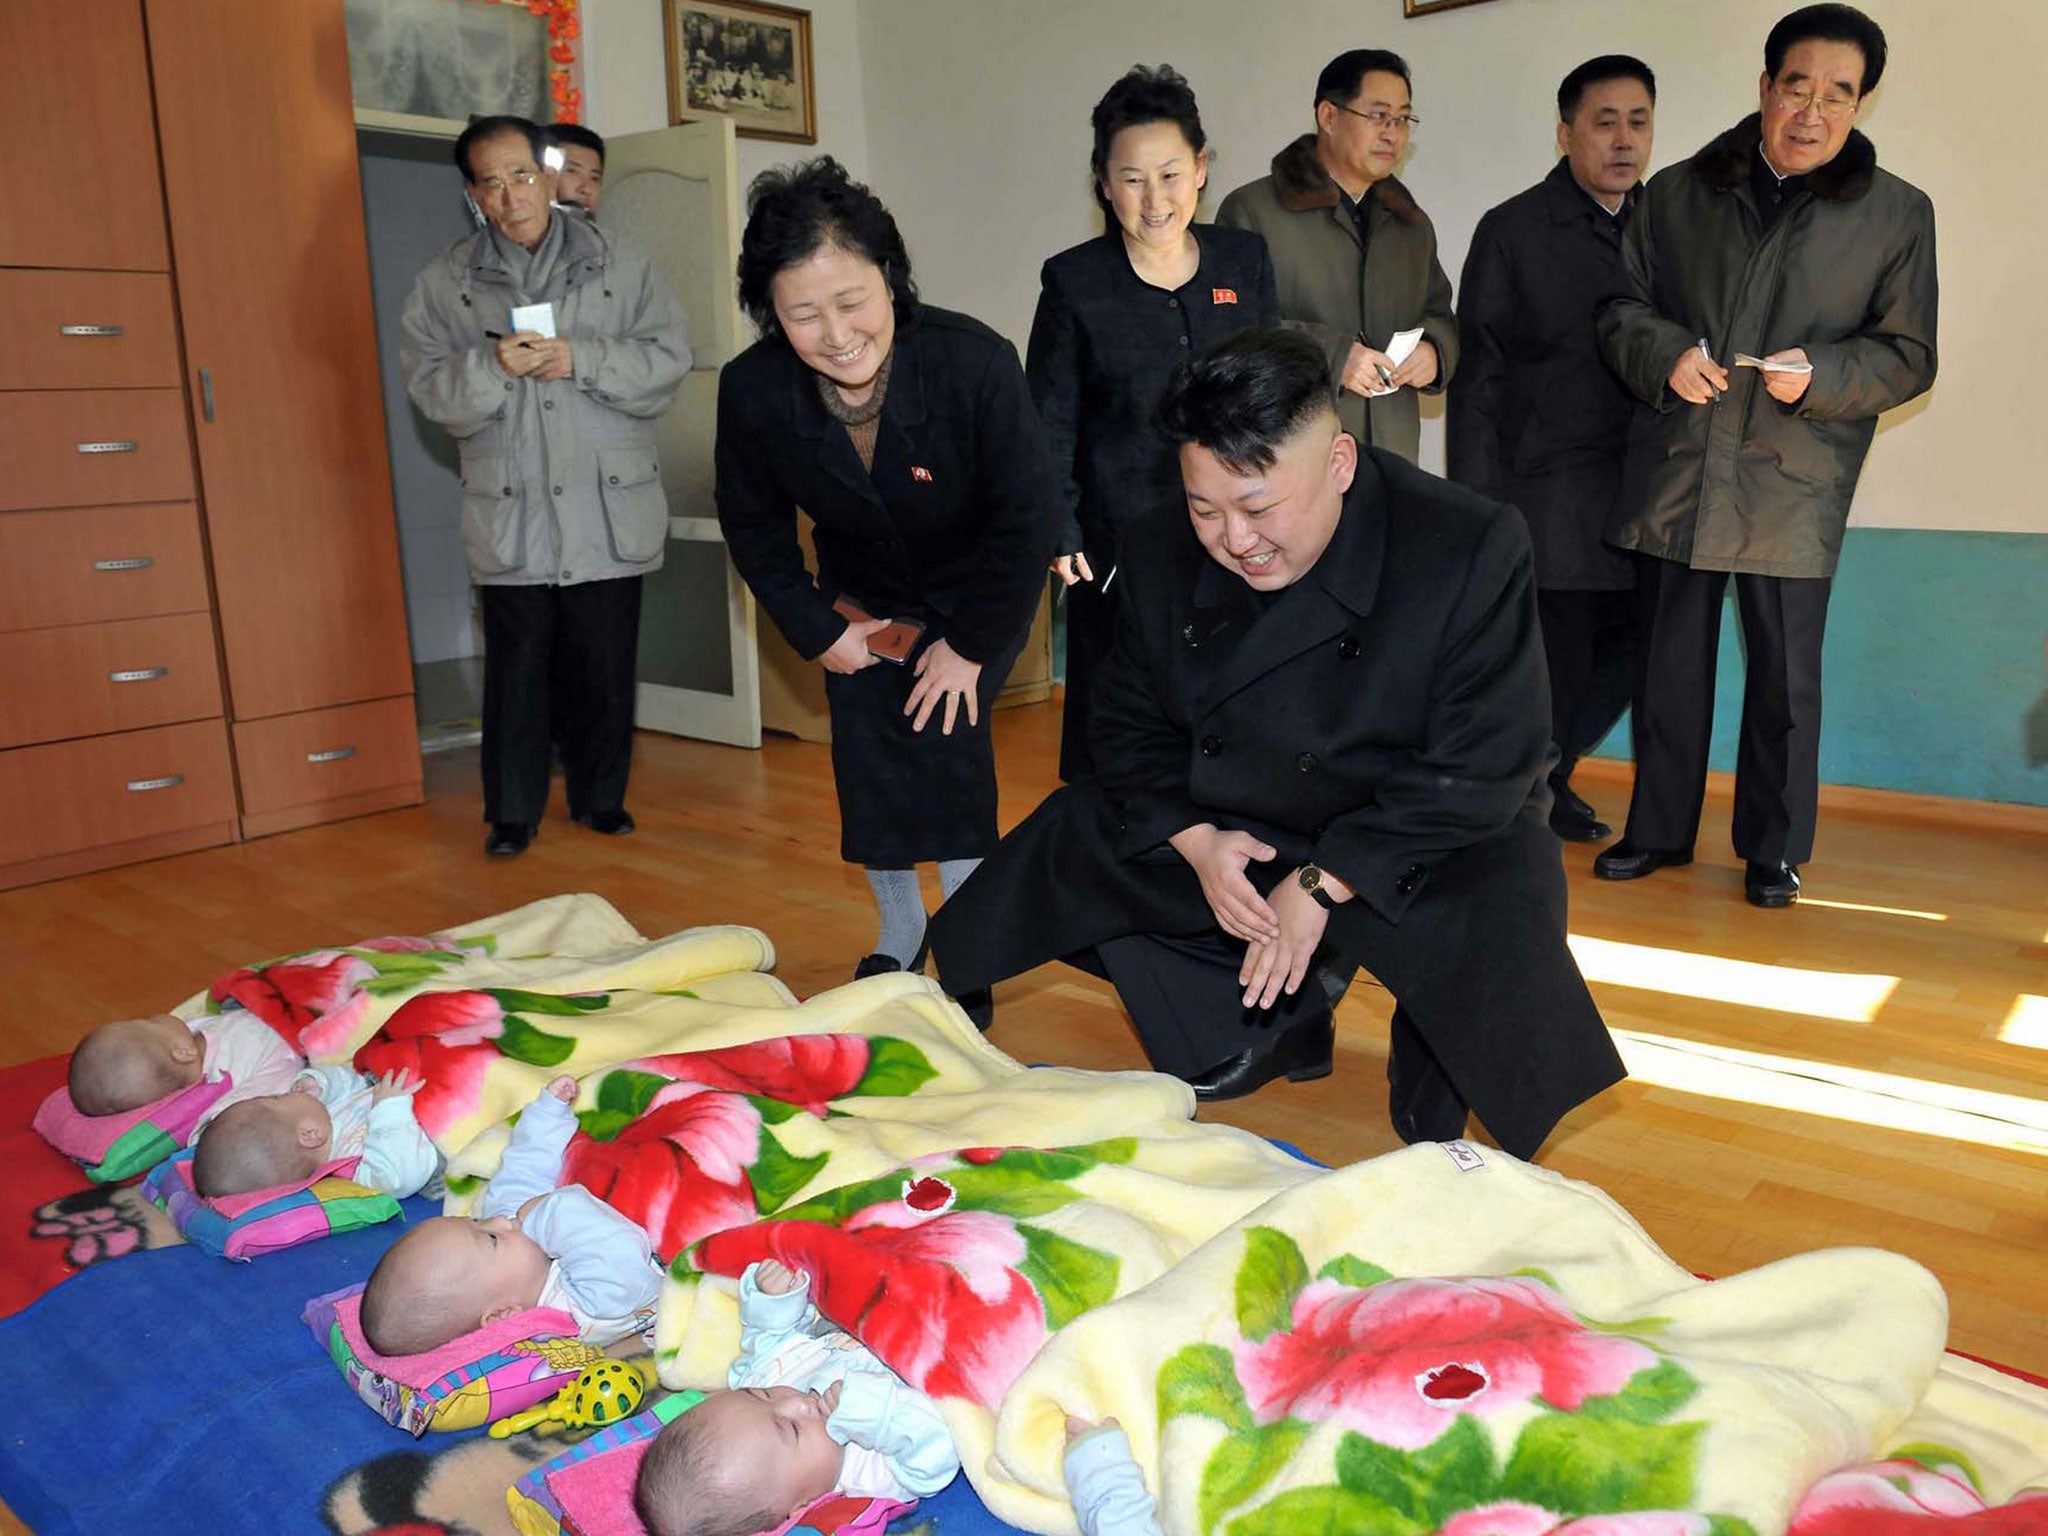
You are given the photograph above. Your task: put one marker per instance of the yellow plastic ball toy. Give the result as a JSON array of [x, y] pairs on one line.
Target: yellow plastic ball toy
[[597, 1395]]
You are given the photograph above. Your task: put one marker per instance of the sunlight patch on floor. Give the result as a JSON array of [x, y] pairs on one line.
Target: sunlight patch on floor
[[1858, 906], [2027, 1024], [1844, 995]]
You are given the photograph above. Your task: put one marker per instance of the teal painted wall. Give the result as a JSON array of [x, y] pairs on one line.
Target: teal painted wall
[[1933, 678]]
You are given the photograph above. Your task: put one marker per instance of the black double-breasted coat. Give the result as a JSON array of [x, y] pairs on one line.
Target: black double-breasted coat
[[1384, 716], [952, 527]]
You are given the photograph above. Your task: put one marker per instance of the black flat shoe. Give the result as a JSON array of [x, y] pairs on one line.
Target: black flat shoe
[[1770, 885], [1303, 1054], [1625, 861], [611, 823], [879, 964], [979, 1004], [508, 839], [1572, 819]]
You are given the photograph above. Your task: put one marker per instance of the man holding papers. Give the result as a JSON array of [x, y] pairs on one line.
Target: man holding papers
[[1784, 247]]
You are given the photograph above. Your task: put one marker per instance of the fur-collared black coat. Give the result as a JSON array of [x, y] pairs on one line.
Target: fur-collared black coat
[[1847, 272]]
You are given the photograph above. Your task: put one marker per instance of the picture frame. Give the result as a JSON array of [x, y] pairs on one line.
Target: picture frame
[[743, 59], [1410, 9]]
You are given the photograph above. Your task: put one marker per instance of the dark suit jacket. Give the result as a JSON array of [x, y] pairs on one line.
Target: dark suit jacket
[[955, 524]]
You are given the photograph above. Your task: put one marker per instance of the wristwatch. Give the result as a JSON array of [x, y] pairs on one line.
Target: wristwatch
[[1311, 879]]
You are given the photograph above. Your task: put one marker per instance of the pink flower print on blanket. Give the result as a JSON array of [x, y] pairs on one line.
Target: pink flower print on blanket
[[1932, 1493], [1513, 1519], [446, 1041], [316, 1000], [806, 1072], [1399, 1361], [678, 1169]]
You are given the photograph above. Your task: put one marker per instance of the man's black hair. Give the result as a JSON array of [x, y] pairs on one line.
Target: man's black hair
[[1343, 75], [1143, 94], [580, 136], [795, 211], [1828, 24], [1609, 66], [482, 128], [1245, 396]]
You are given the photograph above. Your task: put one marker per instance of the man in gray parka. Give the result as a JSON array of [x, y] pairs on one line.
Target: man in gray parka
[[562, 505], [1781, 294]]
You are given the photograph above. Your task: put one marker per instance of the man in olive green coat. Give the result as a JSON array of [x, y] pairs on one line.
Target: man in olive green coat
[[1354, 257], [1782, 293]]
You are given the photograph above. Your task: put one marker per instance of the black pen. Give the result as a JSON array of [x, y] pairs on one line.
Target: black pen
[[500, 336]]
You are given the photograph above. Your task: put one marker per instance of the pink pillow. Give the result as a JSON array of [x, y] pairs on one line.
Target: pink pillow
[[421, 1371], [118, 1146]]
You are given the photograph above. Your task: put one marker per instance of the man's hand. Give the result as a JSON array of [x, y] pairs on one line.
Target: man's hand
[[1420, 370], [1696, 378], [1218, 860], [1072, 568], [850, 653], [520, 353], [943, 673], [1280, 963], [1362, 367], [395, 1084], [556, 361], [774, 1278], [1788, 387]]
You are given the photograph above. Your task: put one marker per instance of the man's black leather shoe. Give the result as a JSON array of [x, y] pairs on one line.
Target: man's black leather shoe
[[508, 839], [879, 964], [1770, 885], [1625, 861], [1572, 819], [611, 823], [1302, 1054]]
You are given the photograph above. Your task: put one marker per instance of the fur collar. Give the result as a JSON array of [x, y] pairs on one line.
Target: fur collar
[[1725, 163], [1301, 184]]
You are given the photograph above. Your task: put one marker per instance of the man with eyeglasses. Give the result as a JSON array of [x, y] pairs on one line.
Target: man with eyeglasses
[[549, 348], [1782, 294], [1354, 257]]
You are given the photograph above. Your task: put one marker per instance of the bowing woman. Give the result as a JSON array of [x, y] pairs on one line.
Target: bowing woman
[[907, 434], [1115, 316]]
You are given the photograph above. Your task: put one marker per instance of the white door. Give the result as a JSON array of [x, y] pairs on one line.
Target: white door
[[675, 194]]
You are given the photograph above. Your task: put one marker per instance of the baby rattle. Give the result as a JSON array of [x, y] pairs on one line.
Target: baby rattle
[[597, 1395]]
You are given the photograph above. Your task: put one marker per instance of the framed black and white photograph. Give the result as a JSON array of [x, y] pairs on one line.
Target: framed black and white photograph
[[744, 60], [1414, 8]]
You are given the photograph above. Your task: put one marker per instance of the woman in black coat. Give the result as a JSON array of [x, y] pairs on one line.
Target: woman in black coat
[[907, 434], [1115, 316]]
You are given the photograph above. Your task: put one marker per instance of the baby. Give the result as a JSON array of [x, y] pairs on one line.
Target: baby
[[809, 1411], [532, 1245], [331, 1112], [128, 1063]]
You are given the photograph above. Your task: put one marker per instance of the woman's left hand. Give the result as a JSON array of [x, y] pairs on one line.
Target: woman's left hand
[[943, 673]]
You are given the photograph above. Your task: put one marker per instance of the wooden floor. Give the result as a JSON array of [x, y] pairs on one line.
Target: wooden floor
[[1740, 1139]]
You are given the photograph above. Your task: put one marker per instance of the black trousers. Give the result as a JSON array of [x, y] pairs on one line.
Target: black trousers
[[1589, 648], [1777, 764], [558, 670], [1091, 626]]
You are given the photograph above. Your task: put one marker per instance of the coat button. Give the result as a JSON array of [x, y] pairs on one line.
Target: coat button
[[1187, 633], [1307, 762], [508, 383], [1212, 746], [1183, 340], [558, 490], [507, 491], [1410, 879], [1348, 648], [547, 405], [1173, 303], [613, 478]]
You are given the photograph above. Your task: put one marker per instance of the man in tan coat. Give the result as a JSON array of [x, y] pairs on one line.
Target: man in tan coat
[[1354, 257]]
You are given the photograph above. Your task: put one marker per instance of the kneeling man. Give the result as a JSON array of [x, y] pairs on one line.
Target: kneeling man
[[1321, 741]]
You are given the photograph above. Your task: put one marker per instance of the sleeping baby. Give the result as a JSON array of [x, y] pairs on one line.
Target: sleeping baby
[[330, 1113], [531, 1245], [125, 1064]]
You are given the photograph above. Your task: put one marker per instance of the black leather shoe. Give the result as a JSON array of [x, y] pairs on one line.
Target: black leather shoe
[[1303, 1054], [611, 823], [1625, 861], [1572, 819], [1770, 885], [508, 839], [979, 1004], [879, 964]]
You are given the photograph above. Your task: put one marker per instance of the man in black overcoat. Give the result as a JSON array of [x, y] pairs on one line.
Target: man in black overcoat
[[1321, 740]]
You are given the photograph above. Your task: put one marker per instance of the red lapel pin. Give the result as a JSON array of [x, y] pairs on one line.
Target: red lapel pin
[[919, 472], [1222, 295]]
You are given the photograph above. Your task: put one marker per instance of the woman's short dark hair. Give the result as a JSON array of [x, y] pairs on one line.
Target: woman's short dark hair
[[1245, 396], [1145, 93], [795, 211], [1609, 66], [1828, 24], [1345, 74], [481, 128]]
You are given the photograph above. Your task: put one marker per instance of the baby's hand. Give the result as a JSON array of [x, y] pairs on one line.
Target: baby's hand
[[395, 1084], [830, 1397], [1079, 1428], [564, 1088], [776, 1279]]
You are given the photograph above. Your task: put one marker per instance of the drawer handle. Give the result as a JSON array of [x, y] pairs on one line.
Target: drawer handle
[[138, 675], [88, 330], [131, 563], [143, 786], [118, 445], [332, 755]]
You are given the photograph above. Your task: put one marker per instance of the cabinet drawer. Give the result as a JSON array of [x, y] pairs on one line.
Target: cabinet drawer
[[113, 789], [88, 330], [86, 564], [326, 754], [86, 447], [88, 679]]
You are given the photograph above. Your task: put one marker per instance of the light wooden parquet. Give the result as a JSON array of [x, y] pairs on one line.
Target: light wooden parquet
[[1723, 1183]]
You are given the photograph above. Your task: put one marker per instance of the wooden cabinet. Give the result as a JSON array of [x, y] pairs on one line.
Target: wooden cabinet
[[192, 648]]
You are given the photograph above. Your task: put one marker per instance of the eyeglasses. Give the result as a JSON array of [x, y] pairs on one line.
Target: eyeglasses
[[1407, 122], [498, 186], [1797, 101]]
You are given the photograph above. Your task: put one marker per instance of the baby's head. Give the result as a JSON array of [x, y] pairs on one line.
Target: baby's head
[[448, 1276], [130, 1062], [739, 1462], [281, 1138]]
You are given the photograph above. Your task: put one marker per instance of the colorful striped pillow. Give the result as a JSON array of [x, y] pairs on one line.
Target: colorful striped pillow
[[117, 1147], [242, 1227]]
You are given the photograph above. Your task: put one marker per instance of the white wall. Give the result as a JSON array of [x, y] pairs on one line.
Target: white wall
[[977, 136]]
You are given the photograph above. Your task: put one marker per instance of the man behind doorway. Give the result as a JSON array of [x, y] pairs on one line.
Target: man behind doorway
[[1354, 257], [548, 349], [1538, 420], [1782, 293], [579, 171]]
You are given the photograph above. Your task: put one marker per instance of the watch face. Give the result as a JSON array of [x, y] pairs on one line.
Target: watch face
[[1311, 878]]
